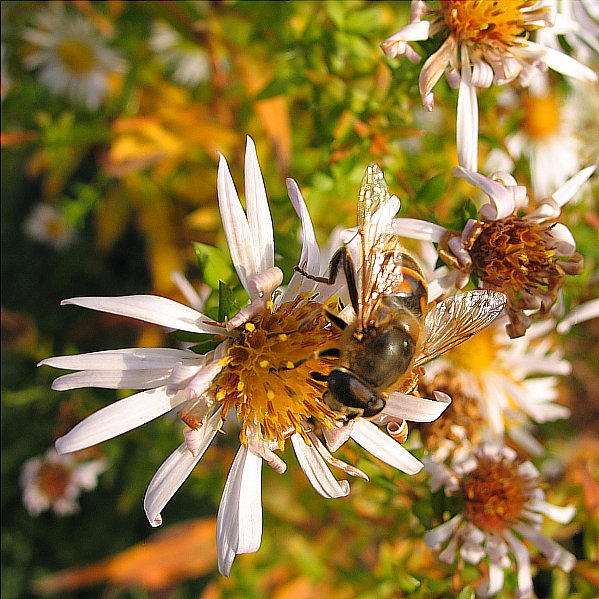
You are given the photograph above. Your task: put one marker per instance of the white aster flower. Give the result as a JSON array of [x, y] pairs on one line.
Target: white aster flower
[[54, 482], [513, 247], [252, 373], [485, 43], [47, 224], [189, 62], [70, 56], [503, 508], [578, 22], [548, 136], [514, 383]]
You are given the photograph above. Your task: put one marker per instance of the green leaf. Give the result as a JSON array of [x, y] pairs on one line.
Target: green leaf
[[230, 301], [432, 190], [214, 265]]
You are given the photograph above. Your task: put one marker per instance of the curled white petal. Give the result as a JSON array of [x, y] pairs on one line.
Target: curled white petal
[[315, 468], [502, 201]]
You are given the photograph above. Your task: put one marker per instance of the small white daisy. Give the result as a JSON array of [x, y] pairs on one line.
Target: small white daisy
[[513, 381], [513, 247], [47, 224], [71, 56], [54, 482], [252, 373], [503, 508], [189, 62], [485, 43]]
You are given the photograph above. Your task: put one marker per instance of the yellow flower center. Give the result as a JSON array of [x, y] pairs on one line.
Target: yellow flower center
[[76, 56], [541, 116], [476, 355], [53, 480], [490, 22], [495, 494], [260, 381], [55, 228]]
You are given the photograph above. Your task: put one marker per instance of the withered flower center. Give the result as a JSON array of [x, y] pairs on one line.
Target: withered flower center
[[495, 494]]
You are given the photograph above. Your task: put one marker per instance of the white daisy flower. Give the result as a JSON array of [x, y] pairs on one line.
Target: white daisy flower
[[503, 508], [189, 62], [47, 224], [253, 372], [70, 56], [513, 382], [54, 482], [547, 137], [513, 247], [485, 42], [578, 22]]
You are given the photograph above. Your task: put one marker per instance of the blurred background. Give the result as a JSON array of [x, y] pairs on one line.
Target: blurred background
[[112, 116]]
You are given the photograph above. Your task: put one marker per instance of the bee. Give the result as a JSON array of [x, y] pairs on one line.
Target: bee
[[395, 331]]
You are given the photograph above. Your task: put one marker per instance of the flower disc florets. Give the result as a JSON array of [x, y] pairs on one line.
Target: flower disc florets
[[519, 257], [260, 381], [491, 23]]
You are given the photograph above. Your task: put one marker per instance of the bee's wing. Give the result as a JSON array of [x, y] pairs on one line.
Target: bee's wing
[[456, 319], [381, 257]]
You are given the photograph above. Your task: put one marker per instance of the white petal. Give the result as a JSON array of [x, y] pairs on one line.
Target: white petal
[[555, 554], [317, 471], [239, 520], [494, 583], [417, 229], [175, 470], [123, 359], [118, 418], [113, 379], [502, 202], [151, 308], [258, 212], [437, 536], [571, 187], [523, 561], [586, 311], [565, 244], [380, 445], [562, 63], [467, 121], [310, 255], [561, 514], [416, 409], [235, 225]]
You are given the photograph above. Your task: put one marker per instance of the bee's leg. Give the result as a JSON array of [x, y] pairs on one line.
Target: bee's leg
[[341, 257], [333, 352], [332, 317]]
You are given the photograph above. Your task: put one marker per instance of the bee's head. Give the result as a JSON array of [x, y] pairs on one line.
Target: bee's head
[[350, 396]]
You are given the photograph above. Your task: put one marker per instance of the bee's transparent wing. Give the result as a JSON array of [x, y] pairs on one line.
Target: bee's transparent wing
[[456, 319], [381, 256]]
